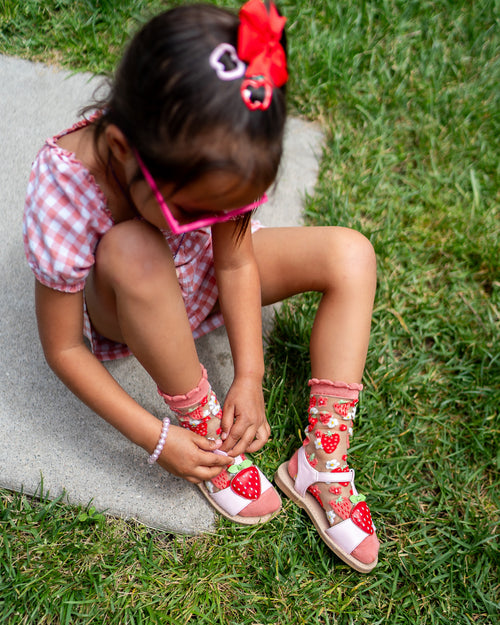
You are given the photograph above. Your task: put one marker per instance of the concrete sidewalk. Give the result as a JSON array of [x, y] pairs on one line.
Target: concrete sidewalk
[[47, 435]]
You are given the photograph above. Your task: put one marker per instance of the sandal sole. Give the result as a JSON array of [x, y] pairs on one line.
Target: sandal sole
[[237, 518], [318, 517]]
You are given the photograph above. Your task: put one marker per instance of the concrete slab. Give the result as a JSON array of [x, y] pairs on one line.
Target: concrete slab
[[47, 436]]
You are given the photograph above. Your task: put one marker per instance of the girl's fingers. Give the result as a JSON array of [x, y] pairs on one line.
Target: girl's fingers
[[256, 444], [207, 444], [227, 421], [207, 456], [237, 443]]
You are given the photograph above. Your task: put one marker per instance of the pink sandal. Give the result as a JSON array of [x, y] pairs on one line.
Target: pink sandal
[[243, 488], [344, 537]]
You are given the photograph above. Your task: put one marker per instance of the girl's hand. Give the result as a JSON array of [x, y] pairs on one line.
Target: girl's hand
[[191, 456], [244, 424]]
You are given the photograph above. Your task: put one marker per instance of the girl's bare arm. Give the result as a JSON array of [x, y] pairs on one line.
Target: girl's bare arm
[[60, 325], [240, 300]]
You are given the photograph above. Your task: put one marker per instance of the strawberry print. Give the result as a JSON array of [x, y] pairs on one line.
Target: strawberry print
[[361, 517], [313, 461], [316, 493], [341, 409], [329, 441], [345, 484], [200, 429], [196, 414], [312, 421], [191, 424], [346, 410], [222, 480], [247, 483], [329, 420], [341, 507]]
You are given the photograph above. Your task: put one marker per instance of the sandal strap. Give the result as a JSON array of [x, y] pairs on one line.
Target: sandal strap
[[307, 475], [347, 535]]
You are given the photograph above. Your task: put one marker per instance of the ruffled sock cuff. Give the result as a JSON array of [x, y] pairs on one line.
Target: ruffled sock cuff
[[178, 402], [335, 389]]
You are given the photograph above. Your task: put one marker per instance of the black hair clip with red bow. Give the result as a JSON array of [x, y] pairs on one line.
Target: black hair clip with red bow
[[260, 59], [259, 45]]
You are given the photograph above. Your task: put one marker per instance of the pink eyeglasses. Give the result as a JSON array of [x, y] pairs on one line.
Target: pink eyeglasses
[[172, 222]]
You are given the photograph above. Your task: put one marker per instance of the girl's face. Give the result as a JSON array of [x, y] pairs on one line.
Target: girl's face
[[212, 195], [203, 200]]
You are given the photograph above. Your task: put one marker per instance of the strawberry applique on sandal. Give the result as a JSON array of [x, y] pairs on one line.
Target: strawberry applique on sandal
[[242, 493]]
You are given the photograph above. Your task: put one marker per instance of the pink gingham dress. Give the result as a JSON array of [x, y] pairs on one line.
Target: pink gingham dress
[[66, 215]]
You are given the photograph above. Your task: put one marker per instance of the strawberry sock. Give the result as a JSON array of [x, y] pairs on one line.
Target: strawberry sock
[[198, 410], [332, 409]]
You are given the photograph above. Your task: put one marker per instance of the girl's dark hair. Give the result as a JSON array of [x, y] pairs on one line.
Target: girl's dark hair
[[181, 118]]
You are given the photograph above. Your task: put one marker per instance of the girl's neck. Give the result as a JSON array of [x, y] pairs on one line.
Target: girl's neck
[[109, 175]]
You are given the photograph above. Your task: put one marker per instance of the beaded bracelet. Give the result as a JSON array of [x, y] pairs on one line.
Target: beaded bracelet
[[163, 437]]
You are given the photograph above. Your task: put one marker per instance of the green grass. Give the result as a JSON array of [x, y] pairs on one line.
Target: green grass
[[407, 93]]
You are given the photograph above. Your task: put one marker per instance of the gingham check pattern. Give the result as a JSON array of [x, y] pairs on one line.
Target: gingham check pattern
[[64, 218]]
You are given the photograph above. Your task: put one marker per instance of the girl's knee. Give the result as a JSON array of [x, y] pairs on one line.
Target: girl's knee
[[132, 253], [363, 253], [353, 253]]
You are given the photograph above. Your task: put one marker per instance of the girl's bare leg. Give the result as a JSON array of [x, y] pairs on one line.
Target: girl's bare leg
[[340, 264], [133, 297], [337, 262]]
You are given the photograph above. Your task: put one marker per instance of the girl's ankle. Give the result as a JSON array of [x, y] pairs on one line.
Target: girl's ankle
[[203, 418], [198, 410]]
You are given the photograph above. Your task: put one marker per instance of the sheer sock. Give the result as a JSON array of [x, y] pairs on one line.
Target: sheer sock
[[332, 409]]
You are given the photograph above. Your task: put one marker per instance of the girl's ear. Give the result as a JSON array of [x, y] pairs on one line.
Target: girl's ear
[[117, 143]]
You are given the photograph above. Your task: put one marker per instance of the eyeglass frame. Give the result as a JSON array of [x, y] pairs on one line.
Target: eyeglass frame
[[173, 224]]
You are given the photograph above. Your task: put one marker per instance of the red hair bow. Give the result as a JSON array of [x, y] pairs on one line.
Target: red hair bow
[[259, 45]]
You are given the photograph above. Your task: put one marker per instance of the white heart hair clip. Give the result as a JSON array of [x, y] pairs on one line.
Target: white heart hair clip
[[226, 63]]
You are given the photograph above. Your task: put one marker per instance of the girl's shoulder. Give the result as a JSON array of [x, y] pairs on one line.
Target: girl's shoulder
[[60, 151], [64, 134], [65, 215], [59, 177]]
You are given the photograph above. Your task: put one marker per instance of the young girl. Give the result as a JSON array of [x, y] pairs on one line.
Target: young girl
[[137, 227]]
